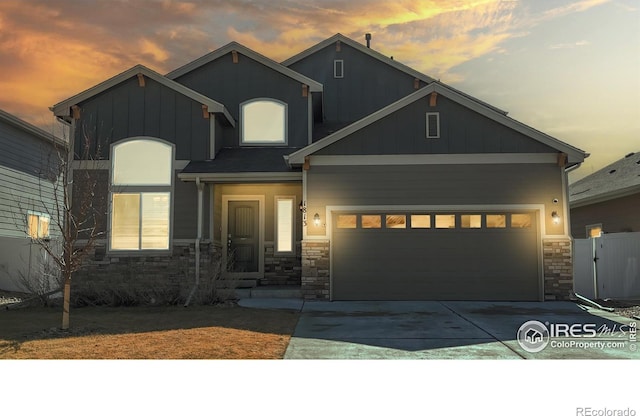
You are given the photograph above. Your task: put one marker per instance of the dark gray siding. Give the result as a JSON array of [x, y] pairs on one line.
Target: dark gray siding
[[368, 84], [185, 210], [93, 184], [26, 164], [232, 84], [461, 131], [435, 185], [128, 110], [616, 216]]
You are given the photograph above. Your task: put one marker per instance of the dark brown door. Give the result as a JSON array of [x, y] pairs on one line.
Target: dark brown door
[[243, 237]]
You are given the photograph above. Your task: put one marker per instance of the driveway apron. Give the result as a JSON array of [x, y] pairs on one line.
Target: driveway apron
[[433, 330]]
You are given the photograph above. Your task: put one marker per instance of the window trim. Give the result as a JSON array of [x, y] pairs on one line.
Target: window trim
[[338, 63], [285, 142], [427, 124], [590, 227], [39, 216], [276, 248], [139, 190]]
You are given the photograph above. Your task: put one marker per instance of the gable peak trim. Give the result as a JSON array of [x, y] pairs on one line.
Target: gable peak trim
[[64, 108], [236, 49], [574, 155], [340, 39]]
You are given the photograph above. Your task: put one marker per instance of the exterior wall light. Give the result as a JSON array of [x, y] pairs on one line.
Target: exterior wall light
[[555, 217], [316, 220]]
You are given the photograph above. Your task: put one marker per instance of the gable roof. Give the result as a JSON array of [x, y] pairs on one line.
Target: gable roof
[[382, 58], [621, 178], [37, 132], [362, 48], [575, 155], [61, 109], [314, 86]]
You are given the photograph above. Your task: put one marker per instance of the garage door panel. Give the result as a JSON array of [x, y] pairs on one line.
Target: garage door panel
[[452, 264]]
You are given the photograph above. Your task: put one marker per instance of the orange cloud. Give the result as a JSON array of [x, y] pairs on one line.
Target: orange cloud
[[50, 51]]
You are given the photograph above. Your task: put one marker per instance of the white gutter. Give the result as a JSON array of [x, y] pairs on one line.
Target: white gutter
[[200, 187]]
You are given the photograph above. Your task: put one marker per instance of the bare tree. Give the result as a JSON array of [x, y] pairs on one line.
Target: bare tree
[[77, 219]]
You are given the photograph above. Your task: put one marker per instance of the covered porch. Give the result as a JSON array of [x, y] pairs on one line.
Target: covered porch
[[248, 215]]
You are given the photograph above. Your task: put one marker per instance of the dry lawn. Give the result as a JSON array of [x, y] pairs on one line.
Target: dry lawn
[[197, 332]]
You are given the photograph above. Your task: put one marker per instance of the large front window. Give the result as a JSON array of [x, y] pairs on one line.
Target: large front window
[[141, 181], [264, 121]]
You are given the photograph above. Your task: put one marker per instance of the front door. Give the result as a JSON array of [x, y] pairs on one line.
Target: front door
[[243, 236]]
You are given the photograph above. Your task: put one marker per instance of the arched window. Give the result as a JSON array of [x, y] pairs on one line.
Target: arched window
[[264, 121], [141, 179]]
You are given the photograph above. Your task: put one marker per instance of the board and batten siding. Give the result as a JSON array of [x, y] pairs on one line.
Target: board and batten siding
[[434, 185], [129, 110], [368, 84], [461, 131], [24, 161], [232, 84]]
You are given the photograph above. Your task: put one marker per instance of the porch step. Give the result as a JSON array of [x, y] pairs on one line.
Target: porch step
[[243, 283], [236, 284], [270, 292]]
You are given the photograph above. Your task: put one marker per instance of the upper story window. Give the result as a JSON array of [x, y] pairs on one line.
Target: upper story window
[[263, 122], [338, 68], [142, 177], [433, 125]]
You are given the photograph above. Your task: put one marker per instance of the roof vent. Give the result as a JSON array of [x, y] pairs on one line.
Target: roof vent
[[612, 171], [368, 39], [630, 154], [638, 162]]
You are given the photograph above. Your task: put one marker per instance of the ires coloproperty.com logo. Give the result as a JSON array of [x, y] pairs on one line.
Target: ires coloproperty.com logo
[[535, 336]]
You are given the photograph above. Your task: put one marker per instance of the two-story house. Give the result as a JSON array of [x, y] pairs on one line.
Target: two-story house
[[340, 171]]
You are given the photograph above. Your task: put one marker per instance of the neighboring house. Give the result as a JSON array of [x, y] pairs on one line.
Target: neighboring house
[[607, 201], [339, 171], [27, 160]]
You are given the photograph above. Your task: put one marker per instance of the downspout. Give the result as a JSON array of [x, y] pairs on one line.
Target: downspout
[[200, 187]]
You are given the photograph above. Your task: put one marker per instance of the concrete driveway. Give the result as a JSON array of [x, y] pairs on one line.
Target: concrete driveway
[[451, 330]]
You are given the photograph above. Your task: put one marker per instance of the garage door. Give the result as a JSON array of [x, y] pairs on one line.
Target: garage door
[[435, 256]]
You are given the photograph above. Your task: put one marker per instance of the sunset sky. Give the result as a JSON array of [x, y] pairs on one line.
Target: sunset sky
[[570, 68]]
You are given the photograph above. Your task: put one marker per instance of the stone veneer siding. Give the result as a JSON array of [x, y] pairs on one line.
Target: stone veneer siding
[[281, 269], [558, 268], [150, 279], [315, 270]]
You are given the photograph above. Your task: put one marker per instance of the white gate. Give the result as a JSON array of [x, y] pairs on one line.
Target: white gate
[[608, 266]]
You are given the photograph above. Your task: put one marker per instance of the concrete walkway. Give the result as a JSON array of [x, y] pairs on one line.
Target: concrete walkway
[[437, 330]]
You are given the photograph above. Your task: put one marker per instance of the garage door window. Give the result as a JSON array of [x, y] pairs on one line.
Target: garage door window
[[371, 221], [471, 221], [465, 221], [496, 221], [421, 221], [396, 221], [346, 221], [446, 221], [520, 220]]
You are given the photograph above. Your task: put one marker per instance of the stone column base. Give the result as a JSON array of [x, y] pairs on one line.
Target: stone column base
[[315, 282], [557, 268]]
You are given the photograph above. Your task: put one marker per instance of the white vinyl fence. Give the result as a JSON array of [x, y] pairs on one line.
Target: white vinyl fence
[[607, 266]]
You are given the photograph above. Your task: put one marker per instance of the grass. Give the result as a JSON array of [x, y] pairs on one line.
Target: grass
[[197, 332]]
